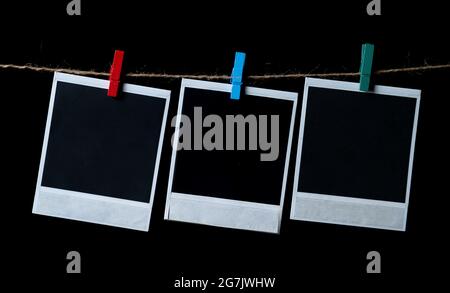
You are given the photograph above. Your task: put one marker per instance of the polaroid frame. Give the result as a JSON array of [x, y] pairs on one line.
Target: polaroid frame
[[343, 210], [96, 208], [220, 212]]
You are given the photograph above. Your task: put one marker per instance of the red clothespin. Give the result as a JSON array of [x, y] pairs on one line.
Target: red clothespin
[[114, 76]]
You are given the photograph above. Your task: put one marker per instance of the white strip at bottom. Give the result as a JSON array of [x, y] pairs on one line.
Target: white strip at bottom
[[349, 211], [92, 208], [224, 213]]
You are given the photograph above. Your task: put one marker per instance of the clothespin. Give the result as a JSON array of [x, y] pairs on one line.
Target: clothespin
[[366, 66], [236, 75], [114, 75]]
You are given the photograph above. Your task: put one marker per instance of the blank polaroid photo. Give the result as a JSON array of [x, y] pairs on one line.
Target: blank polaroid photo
[[355, 154], [234, 187], [100, 155]]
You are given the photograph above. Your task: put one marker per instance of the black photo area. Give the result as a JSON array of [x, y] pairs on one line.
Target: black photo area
[[101, 145], [233, 174], [356, 144]]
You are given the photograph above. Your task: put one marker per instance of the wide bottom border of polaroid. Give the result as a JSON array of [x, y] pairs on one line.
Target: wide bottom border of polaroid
[[349, 211], [224, 213], [92, 208]]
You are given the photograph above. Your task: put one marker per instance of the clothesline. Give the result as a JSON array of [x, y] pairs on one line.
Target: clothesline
[[94, 73]]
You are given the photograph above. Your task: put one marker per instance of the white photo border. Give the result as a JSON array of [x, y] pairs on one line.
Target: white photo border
[[220, 212], [352, 211], [94, 208]]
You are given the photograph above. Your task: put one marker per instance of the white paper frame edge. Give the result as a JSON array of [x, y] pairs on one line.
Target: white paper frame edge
[[95, 208], [221, 212], [347, 210]]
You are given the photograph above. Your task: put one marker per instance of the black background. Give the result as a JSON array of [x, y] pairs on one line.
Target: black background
[[201, 37]]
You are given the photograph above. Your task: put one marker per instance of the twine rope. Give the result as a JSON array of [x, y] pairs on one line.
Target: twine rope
[[94, 73]]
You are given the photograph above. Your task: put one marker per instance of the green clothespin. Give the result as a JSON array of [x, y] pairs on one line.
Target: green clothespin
[[366, 66]]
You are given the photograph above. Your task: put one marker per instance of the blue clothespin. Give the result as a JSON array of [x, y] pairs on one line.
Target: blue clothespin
[[236, 75], [366, 66]]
